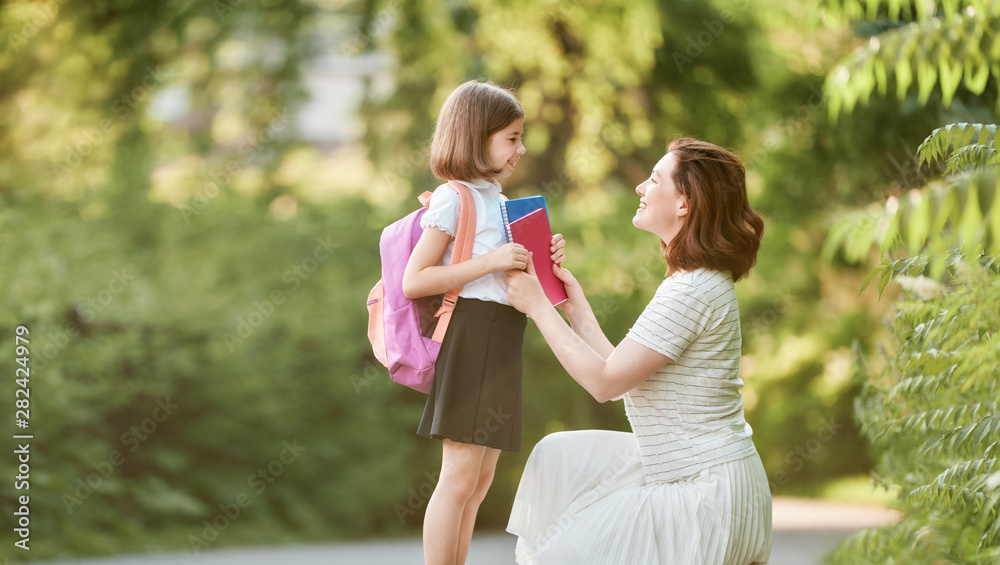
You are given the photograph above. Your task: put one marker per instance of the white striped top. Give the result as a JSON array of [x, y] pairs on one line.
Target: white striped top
[[689, 415]]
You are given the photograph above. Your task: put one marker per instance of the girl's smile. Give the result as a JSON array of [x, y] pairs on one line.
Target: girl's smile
[[505, 148]]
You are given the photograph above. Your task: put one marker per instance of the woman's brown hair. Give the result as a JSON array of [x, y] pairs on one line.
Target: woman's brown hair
[[471, 114], [721, 232]]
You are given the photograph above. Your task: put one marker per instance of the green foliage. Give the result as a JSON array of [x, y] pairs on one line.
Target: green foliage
[[951, 44], [974, 146], [978, 437], [198, 328], [956, 212], [931, 414], [896, 10]]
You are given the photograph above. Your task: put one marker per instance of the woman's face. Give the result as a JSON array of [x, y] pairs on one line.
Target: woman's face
[[662, 210], [505, 149]]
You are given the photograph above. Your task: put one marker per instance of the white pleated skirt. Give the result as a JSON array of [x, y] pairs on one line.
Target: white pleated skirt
[[583, 500]]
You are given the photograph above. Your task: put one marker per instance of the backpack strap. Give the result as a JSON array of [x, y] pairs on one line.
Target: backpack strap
[[465, 235]]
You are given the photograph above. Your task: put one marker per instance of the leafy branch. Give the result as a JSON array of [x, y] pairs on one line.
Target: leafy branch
[[896, 10], [959, 212], [972, 146], [947, 51], [932, 412]]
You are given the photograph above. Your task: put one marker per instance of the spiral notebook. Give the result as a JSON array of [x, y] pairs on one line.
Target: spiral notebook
[[527, 223], [520, 207]]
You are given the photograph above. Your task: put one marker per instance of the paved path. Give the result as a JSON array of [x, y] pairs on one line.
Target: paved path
[[804, 530]]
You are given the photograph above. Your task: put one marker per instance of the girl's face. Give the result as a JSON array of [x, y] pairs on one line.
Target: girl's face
[[662, 210], [505, 148]]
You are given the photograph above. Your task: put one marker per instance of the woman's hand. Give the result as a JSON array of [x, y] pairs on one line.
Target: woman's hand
[[511, 256], [573, 290], [524, 291]]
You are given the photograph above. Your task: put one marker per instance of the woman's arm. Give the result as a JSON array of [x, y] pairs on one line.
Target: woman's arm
[[424, 277], [581, 315], [605, 378]]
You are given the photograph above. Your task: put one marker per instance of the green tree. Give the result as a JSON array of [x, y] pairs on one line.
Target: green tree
[[930, 412], [185, 313]]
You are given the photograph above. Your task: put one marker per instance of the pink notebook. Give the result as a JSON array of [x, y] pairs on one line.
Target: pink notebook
[[533, 232]]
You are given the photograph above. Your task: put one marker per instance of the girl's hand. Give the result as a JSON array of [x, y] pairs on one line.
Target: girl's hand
[[558, 249], [573, 289], [524, 291], [512, 256]]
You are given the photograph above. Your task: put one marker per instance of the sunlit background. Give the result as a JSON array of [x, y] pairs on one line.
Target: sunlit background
[[192, 195]]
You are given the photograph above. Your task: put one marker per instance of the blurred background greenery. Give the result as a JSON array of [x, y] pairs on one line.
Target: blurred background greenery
[[192, 195]]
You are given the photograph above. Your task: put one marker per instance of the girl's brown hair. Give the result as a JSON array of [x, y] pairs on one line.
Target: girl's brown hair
[[721, 232], [471, 114]]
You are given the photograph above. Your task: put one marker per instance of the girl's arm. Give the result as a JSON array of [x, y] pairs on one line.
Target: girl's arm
[[424, 277], [604, 377]]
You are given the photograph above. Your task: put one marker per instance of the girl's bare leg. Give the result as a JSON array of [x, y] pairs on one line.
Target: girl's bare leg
[[486, 471], [461, 465]]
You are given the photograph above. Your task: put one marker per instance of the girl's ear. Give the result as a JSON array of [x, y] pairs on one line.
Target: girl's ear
[[682, 206]]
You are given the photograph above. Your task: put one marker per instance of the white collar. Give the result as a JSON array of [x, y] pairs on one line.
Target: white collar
[[481, 184]]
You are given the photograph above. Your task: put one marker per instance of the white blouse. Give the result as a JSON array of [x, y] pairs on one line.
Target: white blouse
[[490, 232]]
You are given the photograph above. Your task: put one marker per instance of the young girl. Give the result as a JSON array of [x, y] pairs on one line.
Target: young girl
[[474, 406]]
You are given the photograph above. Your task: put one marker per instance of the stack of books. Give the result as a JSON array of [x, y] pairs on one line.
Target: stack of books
[[527, 223]]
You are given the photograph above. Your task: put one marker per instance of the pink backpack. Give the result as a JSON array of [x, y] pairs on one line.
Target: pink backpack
[[406, 334]]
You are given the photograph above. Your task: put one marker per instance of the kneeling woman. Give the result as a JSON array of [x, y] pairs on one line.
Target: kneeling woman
[[686, 486]]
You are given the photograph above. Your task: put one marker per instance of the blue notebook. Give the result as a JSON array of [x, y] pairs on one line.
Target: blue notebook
[[513, 210]]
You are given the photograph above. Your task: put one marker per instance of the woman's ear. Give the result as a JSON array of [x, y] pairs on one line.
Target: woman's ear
[[682, 206]]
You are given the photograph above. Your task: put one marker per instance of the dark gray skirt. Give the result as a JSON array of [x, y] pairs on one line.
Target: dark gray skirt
[[476, 396]]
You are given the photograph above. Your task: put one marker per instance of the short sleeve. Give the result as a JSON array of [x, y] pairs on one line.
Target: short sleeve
[[443, 212], [676, 316]]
